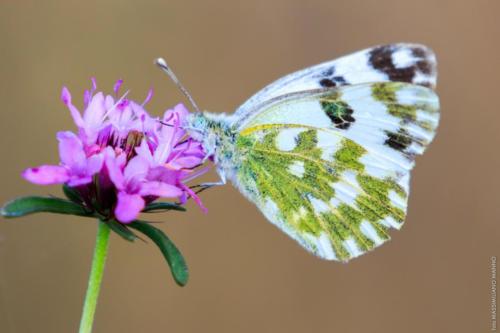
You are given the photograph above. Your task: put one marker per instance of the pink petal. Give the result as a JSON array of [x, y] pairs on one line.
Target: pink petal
[[71, 151], [128, 207], [195, 197], [94, 84], [137, 168], [139, 111], [86, 98], [148, 97], [181, 110], [94, 164], [79, 180], [94, 114], [75, 114], [186, 162], [163, 151], [117, 86], [161, 173], [190, 147], [46, 175], [114, 168], [109, 102], [160, 189], [144, 151]]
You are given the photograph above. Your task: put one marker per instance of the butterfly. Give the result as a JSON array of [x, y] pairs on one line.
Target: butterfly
[[325, 153]]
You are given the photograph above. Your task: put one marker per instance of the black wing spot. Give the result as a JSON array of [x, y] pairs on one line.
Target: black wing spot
[[419, 52], [329, 71], [339, 80], [381, 59], [339, 113], [327, 83], [328, 80], [399, 141]]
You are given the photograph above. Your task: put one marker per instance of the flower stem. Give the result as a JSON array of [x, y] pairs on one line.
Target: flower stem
[[95, 278]]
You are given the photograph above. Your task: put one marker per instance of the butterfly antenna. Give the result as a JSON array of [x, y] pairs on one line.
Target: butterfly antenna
[[160, 62]]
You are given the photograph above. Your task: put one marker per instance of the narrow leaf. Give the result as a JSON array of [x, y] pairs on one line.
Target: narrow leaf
[[29, 205], [173, 256], [121, 230], [163, 206]]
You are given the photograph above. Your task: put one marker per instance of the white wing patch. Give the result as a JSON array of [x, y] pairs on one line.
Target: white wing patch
[[297, 169], [403, 58], [287, 139]]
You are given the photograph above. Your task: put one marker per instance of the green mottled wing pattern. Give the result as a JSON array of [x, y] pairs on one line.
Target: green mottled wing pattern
[[331, 167]]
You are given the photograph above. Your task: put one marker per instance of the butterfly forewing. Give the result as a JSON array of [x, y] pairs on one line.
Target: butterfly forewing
[[411, 63], [331, 167]]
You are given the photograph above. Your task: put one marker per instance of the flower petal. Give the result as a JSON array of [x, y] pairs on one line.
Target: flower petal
[[148, 97], [94, 114], [79, 180], [136, 169], [128, 207], [109, 102], [160, 189], [94, 164], [144, 151], [195, 197], [114, 167], [94, 84], [185, 162], [71, 151], [66, 98], [181, 110], [116, 87], [46, 175]]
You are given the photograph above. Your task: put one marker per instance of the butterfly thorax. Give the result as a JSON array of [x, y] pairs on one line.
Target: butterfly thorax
[[218, 137]]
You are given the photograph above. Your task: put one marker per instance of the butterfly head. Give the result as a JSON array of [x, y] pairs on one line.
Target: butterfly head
[[215, 132]]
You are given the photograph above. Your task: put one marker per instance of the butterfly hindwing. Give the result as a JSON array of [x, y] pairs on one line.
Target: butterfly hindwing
[[403, 62], [331, 167]]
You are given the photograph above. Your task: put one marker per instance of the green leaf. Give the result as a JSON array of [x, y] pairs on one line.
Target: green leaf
[[29, 205], [72, 194], [121, 230], [163, 206], [173, 256]]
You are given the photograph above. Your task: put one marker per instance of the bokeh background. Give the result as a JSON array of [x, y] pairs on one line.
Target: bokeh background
[[246, 276]]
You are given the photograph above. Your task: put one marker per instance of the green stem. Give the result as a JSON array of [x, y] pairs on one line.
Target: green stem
[[95, 278]]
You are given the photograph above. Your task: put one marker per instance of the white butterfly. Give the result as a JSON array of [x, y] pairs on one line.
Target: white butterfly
[[326, 152]]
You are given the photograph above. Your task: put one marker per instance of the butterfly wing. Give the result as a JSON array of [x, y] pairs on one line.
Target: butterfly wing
[[411, 63], [331, 167]]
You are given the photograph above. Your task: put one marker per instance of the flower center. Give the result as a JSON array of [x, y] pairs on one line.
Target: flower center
[[133, 139]]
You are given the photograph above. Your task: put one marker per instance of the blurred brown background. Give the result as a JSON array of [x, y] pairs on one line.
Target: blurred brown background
[[246, 276]]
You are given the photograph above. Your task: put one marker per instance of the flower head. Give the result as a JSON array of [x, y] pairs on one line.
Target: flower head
[[122, 158]]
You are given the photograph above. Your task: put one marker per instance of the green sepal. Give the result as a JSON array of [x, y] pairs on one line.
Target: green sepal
[[121, 230], [29, 205], [72, 194], [174, 258], [162, 206]]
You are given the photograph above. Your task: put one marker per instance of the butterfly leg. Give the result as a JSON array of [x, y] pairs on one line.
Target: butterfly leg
[[222, 181], [204, 186]]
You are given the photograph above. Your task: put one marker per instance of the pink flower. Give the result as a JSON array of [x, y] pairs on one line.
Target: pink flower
[[122, 158], [133, 185]]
